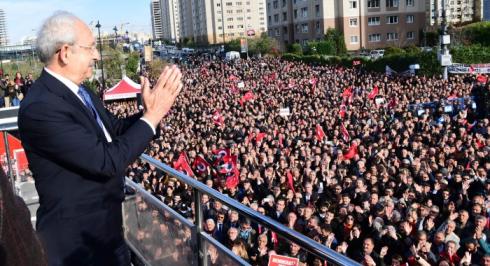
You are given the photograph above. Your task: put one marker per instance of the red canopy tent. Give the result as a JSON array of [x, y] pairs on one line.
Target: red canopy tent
[[124, 89]]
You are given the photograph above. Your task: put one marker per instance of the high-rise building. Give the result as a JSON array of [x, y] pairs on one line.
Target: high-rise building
[[156, 19], [3, 29], [457, 11], [212, 21], [171, 20], [366, 24]]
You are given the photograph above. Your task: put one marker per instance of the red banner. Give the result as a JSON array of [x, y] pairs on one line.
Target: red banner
[[276, 260]]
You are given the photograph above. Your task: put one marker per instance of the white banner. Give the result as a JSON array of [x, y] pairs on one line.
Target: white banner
[[465, 69]]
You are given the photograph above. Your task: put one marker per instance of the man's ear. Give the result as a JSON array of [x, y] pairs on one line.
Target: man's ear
[[64, 54]]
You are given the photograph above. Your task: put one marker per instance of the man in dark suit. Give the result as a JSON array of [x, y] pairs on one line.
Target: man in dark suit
[[78, 151]]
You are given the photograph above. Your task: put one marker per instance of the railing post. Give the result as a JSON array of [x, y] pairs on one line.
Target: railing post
[[202, 258], [9, 161]]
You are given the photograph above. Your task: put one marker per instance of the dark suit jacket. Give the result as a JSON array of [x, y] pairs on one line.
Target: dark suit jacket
[[19, 244], [78, 174]]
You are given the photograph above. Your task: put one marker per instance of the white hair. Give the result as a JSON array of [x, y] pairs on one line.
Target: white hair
[[58, 29]]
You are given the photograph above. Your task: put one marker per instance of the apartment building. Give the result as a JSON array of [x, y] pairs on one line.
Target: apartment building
[[171, 16], [367, 24], [457, 11], [212, 21], [3, 29], [156, 19]]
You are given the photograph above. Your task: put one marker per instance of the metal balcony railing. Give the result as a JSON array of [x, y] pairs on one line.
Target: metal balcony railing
[[197, 239]]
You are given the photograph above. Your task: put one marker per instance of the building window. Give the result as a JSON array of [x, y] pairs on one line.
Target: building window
[[238, 3], [239, 11], [304, 28], [284, 16], [373, 3], [317, 10], [410, 35], [392, 20], [230, 27], [373, 21], [229, 11], [353, 22], [295, 14], [410, 2], [354, 39], [277, 32], [392, 36], [229, 19], [318, 29], [229, 4], [392, 3], [275, 4], [352, 4], [304, 12], [276, 18], [283, 3], [374, 37], [410, 18]]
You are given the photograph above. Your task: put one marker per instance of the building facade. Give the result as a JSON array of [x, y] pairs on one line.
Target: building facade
[[485, 10], [3, 29], [171, 17], [366, 24], [212, 21], [457, 11], [156, 19]]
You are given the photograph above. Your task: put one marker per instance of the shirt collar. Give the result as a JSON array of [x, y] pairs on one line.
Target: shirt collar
[[70, 84]]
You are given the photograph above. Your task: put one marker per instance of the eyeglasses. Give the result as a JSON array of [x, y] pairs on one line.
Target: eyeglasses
[[91, 48]]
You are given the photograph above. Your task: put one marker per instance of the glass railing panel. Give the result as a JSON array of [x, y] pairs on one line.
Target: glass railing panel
[[217, 254], [157, 233]]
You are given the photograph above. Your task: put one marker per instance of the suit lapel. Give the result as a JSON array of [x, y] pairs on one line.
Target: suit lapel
[[58, 88]]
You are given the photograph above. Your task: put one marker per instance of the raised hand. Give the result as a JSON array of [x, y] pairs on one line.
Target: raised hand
[[159, 100]]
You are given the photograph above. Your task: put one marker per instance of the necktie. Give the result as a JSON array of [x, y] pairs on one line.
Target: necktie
[[82, 92]]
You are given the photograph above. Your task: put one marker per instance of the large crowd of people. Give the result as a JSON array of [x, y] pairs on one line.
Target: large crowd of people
[[386, 170], [383, 169]]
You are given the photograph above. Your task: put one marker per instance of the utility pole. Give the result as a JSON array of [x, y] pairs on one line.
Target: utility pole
[[445, 40]]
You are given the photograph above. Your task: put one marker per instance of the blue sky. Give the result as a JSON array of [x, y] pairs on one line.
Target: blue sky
[[24, 17]]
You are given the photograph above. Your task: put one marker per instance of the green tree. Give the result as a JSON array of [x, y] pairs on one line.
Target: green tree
[[338, 40], [233, 45], [113, 60], [132, 64], [295, 48]]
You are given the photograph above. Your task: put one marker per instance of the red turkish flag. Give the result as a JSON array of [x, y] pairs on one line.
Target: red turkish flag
[[472, 69], [220, 153], [351, 152], [260, 137], [233, 178], [247, 97], [226, 164], [200, 165], [182, 165], [481, 79], [373, 93], [218, 118], [345, 133], [347, 92], [320, 134]]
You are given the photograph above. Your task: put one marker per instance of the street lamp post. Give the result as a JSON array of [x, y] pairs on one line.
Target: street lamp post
[[101, 60], [115, 38]]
